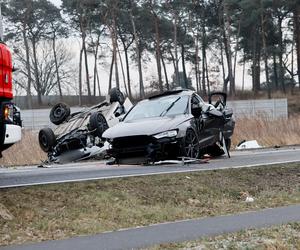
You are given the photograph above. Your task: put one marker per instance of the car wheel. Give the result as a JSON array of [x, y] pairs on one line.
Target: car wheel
[[116, 96], [59, 113], [191, 147], [47, 139], [98, 124]]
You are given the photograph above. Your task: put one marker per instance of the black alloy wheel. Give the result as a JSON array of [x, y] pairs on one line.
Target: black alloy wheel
[[191, 146], [98, 124], [59, 113]]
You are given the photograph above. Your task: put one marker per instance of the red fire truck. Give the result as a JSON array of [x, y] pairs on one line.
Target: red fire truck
[[10, 120]]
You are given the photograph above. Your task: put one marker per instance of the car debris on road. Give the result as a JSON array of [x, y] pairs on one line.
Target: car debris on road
[[78, 136]]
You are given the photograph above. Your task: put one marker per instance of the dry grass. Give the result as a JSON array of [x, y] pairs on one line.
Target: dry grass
[[283, 237], [268, 132], [26, 152], [64, 210]]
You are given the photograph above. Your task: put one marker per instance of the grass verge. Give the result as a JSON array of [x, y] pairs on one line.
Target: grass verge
[[284, 237], [64, 210]]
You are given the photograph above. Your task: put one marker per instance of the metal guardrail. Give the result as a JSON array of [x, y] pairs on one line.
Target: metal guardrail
[[275, 108]]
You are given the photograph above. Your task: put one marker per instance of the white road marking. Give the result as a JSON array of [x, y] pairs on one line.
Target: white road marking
[[146, 174]]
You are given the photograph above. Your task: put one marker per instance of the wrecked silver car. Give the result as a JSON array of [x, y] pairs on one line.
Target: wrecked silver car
[[79, 135], [171, 125]]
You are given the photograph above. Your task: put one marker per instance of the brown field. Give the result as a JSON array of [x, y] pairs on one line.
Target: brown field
[[26, 152], [268, 133]]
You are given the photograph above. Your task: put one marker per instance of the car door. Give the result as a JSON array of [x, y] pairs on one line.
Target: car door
[[208, 125]]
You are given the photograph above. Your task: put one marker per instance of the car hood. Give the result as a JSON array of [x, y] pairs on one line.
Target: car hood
[[146, 126]]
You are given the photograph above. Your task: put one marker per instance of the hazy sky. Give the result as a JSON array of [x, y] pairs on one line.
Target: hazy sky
[[57, 2]]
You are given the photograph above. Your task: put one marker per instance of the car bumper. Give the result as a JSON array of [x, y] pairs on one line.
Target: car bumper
[[13, 134], [151, 150]]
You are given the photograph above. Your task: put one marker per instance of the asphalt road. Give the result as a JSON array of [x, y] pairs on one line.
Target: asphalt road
[[26, 176], [171, 231]]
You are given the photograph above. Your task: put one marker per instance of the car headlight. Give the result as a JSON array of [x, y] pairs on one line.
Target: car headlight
[[170, 133]]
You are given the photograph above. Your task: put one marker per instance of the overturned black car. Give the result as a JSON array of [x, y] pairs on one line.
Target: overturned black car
[[171, 125]]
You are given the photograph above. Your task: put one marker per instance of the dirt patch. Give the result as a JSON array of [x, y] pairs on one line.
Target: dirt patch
[[4, 213], [25, 152], [64, 210]]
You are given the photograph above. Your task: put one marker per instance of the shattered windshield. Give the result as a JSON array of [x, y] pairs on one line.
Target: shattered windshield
[[163, 106]]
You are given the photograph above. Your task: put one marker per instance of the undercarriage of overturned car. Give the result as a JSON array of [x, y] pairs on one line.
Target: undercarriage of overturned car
[[172, 125], [78, 136]]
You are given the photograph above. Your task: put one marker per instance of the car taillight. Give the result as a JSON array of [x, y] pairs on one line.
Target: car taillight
[[8, 112]]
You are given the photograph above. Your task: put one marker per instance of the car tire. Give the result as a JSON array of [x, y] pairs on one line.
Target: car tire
[[191, 147], [98, 124], [116, 96], [59, 113], [47, 139]]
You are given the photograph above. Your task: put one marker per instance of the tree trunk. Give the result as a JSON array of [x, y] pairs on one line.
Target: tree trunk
[[227, 35], [139, 56], [243, 77], [157, 52], [275, 71], [265, 54], [165, 72], [223, 68], [123, 72], [236, 51], [176, 49], [173, 60], [203, 60], [127, 68], [281, 68], [183, 66], [207, 77], [197, 64], [56, 65], [98, 84], [95, 62], [297, 37], [80, 76], [86, 63], [256, 50], [111, 72], [36, 73], [115, 47], [29, 78]]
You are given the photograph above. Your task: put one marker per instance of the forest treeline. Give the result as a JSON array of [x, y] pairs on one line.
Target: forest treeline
[[264, 34]]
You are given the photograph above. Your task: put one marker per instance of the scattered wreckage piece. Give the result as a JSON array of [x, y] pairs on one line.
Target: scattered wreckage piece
[[173, 124], [253, 144], [182, 161], [78, 135]]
